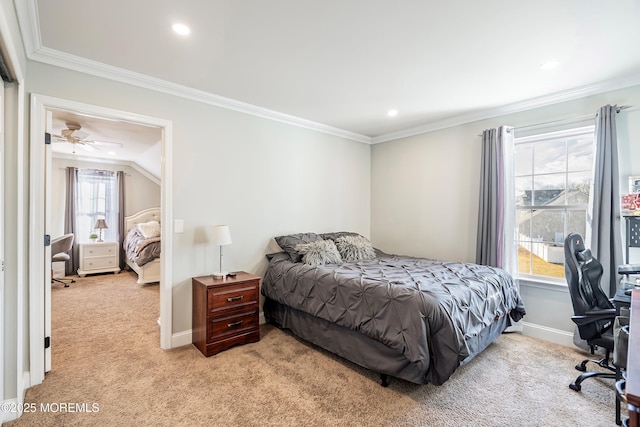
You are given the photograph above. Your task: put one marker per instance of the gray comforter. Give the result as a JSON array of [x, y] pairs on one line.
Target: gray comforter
[[140, 249], [424, 309]]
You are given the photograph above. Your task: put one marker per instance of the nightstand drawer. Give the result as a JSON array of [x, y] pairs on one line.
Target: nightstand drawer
[[98, 263], [232, 297], [99, 250], [219, 328]]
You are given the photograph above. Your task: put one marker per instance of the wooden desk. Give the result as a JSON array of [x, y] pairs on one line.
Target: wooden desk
[[633, 365]]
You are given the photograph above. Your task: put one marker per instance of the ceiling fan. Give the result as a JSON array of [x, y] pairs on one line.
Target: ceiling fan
[[73, 135]]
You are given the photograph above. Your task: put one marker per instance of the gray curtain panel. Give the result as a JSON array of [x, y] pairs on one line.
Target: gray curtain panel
[[70, 220], [604, 206], [121, 230], [490, 239]]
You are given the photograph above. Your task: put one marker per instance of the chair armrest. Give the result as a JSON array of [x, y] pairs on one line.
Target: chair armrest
[[629, 269], [594, 316], [609, 312]]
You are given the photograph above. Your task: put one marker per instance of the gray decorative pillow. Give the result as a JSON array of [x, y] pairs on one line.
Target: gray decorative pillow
[[355, 248], [319, 252], [288, 243], [333, 236]]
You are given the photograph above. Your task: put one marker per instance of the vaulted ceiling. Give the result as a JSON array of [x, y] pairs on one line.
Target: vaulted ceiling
[[342, 65]]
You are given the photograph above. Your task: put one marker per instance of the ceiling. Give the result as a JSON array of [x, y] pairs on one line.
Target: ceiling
[[124, 140], [340, 66]]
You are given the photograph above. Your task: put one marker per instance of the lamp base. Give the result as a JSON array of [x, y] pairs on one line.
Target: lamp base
[[220, 275]]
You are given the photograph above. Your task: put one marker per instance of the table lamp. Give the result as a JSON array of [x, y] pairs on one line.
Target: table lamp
[[220, 236], [101, 224]]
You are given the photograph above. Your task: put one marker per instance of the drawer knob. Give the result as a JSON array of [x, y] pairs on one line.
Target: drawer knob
[[232, 299], [233, 324]]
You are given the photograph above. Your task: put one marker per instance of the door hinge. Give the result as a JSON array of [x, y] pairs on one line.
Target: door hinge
[[47, 240], [47, 342], [47, 138]]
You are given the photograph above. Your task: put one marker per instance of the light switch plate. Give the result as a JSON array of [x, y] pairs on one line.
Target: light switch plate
[[178, 226]]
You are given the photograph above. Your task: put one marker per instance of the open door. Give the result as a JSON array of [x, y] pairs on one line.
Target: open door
[[47, 247]]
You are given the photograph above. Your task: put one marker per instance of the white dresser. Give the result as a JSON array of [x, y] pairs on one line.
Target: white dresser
[[102, 257]]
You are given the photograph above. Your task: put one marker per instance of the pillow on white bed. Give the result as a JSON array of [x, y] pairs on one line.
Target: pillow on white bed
[[355, 248], [319, 252], [149, 229]]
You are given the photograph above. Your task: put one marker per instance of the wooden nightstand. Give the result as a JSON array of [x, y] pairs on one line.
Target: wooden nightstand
[[225, 312], [101, 257]]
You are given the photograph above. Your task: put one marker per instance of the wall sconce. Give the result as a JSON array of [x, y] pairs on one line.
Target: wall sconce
[[221, 236]]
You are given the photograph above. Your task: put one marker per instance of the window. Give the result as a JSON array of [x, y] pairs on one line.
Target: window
[[96, 198], [552, 183]]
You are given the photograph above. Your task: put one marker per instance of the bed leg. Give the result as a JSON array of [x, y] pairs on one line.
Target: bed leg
[[384, 380]]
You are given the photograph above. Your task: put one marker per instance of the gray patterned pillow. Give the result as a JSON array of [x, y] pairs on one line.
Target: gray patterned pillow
[[288, 243], [319, 252], [355, 248]]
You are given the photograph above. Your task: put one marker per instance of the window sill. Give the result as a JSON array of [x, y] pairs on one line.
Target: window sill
[[552, 285]]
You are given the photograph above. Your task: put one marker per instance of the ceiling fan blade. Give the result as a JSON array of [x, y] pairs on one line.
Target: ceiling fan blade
[[107, 143], [80, 134], [88, 147]]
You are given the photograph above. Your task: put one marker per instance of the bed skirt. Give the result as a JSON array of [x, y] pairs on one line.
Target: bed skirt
[[362, 350]]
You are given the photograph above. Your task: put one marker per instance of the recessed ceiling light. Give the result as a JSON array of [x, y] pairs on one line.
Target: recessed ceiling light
[[549, 65], [392, 113], [181, 29], [113, 153]]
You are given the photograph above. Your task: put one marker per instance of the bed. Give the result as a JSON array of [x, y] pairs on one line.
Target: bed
[[142, 255], [405, 317]]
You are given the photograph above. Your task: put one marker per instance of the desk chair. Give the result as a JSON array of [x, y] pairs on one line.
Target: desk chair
[[593, 312], [59, 248]]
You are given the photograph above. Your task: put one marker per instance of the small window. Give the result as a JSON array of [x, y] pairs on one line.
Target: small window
[[553, 173], [96, 198]]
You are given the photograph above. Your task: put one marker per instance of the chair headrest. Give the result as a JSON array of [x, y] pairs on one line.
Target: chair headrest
[[584, 256]]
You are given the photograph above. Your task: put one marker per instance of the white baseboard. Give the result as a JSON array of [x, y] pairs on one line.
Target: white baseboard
[[10, 410], [181, 338], [548, 334]]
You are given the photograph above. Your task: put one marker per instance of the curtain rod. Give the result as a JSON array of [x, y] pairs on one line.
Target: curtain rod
[[586, 116], [106, 170]]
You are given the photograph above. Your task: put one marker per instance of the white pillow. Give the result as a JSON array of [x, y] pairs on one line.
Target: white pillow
[[149, 229]]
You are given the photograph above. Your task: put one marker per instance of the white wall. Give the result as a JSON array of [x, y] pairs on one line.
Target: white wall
[[261, 177], [140, 192], [425, 191]]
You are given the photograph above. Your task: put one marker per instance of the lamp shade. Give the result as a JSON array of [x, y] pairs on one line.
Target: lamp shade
[[221, 235], [100, 224]]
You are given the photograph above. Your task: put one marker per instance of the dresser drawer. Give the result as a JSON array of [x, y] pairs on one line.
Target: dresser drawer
[[219, 328], [229, 297], [99, 250]]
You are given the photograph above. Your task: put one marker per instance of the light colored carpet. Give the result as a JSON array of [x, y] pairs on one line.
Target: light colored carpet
[[106, 351]]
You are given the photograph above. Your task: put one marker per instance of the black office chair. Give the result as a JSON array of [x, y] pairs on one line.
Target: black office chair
[[59, 248], [593, 312]]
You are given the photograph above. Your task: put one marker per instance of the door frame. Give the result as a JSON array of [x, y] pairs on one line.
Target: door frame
[[37, 259]]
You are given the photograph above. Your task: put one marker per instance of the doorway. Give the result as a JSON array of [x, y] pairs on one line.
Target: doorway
[[40, 163]]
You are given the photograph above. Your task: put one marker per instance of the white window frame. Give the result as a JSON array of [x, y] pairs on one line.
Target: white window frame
[[541, 137]]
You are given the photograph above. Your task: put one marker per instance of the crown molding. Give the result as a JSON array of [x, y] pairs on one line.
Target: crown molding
[[516, 107]]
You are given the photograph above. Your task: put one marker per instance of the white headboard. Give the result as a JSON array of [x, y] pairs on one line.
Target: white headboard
[[151, 214]]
